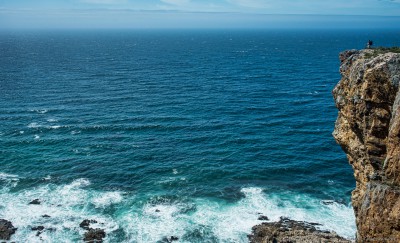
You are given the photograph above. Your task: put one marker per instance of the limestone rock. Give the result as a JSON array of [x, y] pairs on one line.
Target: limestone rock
[[368, 130]]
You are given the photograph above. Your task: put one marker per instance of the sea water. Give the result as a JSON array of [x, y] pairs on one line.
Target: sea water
[[161, 133]]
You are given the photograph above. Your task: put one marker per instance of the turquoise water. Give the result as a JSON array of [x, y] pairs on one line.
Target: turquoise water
[[184, 133]]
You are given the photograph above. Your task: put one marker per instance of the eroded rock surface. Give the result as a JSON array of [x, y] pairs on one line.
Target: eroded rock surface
[[368, 130]]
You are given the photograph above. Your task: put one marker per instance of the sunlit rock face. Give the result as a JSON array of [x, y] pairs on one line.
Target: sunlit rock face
[[368, 130]]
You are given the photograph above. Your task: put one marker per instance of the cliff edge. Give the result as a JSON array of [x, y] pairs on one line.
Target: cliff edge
[[368, 130]]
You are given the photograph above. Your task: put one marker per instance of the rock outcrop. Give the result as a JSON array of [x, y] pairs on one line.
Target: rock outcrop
[[368, 130], [6, 229], [92, 235], [287, 230]]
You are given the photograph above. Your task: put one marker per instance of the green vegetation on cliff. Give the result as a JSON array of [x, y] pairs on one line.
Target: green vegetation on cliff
[[382, 50]]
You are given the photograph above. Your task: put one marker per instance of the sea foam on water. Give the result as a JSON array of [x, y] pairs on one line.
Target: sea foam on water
[[144, 220]]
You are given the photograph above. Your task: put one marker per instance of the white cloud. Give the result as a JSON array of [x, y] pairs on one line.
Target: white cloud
[[176, 2], [105, 1], [250, 3]]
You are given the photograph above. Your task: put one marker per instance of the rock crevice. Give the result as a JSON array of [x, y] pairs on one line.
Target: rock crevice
[[368, 130]]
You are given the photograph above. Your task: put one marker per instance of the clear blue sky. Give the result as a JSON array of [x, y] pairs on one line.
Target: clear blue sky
[[198, 13]]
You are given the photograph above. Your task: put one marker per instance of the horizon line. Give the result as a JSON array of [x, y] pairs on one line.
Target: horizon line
[[184, 12]]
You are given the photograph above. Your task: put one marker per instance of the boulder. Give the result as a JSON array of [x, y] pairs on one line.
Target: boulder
[[94, 235], [6, 229]]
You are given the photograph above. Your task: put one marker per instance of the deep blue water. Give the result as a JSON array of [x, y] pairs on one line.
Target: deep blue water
[[184, 133]]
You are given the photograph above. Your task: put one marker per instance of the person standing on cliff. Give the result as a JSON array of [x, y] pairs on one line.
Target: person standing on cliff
[[369, 44]]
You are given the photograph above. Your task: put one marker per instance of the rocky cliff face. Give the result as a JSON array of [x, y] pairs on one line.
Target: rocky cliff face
[[368, 130]]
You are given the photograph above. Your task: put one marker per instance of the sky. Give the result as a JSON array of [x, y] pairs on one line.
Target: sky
[[199, 14]]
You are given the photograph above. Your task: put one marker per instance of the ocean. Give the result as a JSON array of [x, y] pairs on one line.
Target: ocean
[[185, 133]]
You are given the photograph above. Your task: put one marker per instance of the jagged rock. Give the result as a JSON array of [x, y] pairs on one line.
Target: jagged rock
[[40, 228], [6, 229], [327, 202], [169, 239], [287, 230], [262, 217], [94, 236], [85, 224], [368, 130], [35, 202], [173, 238]]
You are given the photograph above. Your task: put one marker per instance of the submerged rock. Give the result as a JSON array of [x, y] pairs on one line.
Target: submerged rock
[[94, 235], [39, 229], [35, 202], [287, 230], [85, 224], [169, 239], [368, 130], [262, 217], [6, 229]]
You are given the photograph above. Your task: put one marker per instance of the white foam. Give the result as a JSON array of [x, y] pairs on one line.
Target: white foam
[[66, 205], [5, 176], [10, 181], [33, 125], [107, 199], [52, 120], [145, 221], [155, 222], [40, 111], [232, 222], [36, 125], [336, 217]]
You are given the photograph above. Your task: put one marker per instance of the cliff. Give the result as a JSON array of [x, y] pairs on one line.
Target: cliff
[[368, 130]]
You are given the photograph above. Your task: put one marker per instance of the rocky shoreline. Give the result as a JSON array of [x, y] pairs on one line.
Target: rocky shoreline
[[287, 230]]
